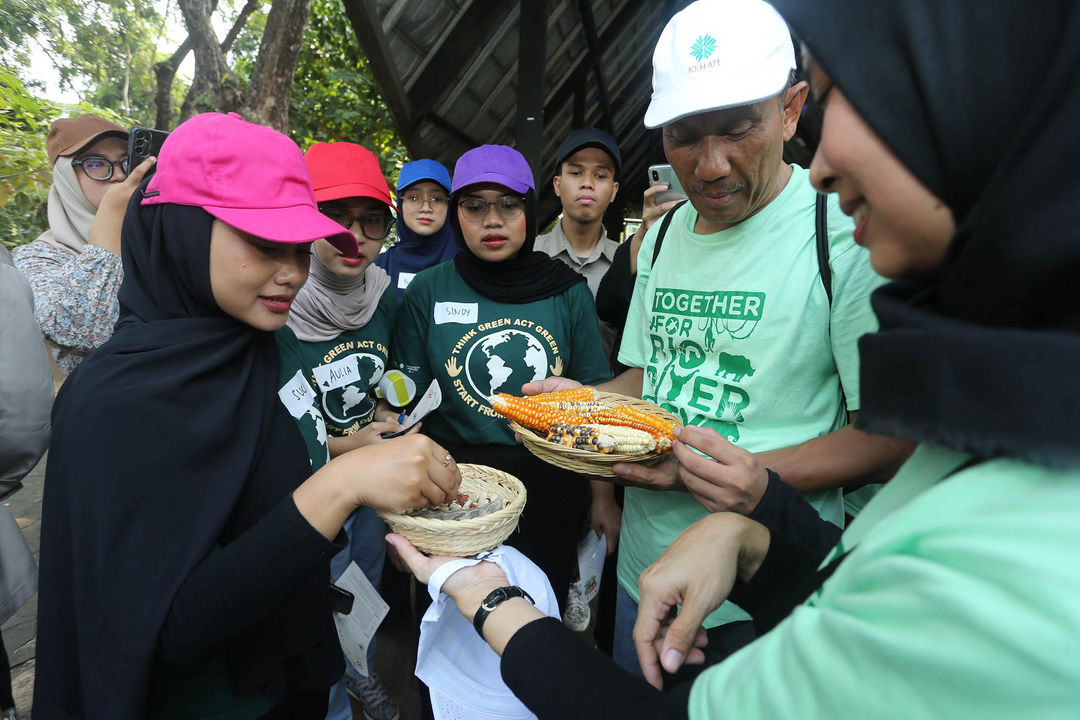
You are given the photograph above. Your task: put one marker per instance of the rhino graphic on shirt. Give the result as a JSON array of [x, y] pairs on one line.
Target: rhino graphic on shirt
[[735, 365]]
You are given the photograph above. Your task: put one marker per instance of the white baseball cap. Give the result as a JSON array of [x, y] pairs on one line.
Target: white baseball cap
[[716, 54]]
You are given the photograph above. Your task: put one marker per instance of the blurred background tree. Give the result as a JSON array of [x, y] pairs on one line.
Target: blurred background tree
[[122, 60]]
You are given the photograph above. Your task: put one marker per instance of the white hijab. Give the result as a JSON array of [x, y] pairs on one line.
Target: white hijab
[[70, 213]]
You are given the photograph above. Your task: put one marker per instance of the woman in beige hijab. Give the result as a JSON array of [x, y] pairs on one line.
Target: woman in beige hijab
[[74, 271]]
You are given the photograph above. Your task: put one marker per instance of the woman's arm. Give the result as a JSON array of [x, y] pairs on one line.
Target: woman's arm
[[539, 653]]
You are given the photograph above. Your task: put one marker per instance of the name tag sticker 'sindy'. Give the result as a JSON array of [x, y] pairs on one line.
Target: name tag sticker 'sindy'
[[451, 312], [297, 395], [337, 374]]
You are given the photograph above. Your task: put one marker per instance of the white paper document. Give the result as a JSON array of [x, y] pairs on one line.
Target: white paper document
[[356, 629]]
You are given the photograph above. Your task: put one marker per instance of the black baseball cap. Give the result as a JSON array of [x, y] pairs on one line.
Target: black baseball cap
[[588, 137]]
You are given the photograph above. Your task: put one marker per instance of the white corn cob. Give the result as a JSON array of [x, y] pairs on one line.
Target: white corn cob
[[628, 441]]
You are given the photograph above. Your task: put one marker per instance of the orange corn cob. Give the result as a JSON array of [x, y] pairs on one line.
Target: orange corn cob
[[586, 392], [531, 414]]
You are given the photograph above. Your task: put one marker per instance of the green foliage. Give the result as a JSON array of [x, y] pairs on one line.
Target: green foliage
[[26, 176], [334, 95]]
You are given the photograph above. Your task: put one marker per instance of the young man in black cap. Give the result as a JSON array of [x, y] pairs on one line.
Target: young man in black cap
[[587, 164]]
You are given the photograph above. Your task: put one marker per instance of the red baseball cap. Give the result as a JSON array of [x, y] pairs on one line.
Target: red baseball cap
[[342, 169], [246, 175]]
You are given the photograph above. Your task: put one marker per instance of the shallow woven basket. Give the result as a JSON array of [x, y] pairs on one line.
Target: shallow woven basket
[[466, 538], [586, 461]]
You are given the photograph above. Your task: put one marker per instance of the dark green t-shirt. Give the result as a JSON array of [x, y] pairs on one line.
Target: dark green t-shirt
[[297, 392], [475, 347], [347, 368]]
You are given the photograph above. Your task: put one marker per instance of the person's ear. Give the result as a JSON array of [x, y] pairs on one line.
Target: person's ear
[[614, 191], [555, 183], [794, 101]]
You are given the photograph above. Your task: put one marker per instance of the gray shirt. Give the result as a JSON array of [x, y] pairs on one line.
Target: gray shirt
[[593, 267], [26, 383]]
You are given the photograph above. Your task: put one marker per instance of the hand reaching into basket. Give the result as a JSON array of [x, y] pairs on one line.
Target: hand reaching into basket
[[407, 472]]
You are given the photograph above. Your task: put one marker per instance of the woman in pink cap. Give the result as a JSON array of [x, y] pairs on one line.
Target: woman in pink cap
[[343, 316], [185, 540]]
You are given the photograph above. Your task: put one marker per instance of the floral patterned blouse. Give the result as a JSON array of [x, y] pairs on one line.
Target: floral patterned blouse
[[74, 297]]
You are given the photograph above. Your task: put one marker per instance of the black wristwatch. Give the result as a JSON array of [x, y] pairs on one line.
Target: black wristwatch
[[492, 601]]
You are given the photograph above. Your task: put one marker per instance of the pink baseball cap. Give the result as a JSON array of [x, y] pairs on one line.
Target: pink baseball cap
[[247, 175]]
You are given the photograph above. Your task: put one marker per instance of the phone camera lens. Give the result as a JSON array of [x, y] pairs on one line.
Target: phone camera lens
[[655, 175]]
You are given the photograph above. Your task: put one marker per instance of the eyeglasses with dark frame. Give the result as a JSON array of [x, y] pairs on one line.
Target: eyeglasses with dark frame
[[509, 208], [373, 226], [99, 168]]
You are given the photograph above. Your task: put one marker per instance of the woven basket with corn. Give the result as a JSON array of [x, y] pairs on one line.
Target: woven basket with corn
[[586, 430]]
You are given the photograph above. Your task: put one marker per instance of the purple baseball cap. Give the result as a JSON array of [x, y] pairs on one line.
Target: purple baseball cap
[[498, 164], [247, 175]]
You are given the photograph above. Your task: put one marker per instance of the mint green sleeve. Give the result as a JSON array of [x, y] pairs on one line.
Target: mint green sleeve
[[587, 362], [852, 282], [960, 604], [408, 343], [633, 351]]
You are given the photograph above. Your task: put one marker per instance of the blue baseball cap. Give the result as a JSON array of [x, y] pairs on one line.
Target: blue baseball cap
[[500, 164], [418, 170]]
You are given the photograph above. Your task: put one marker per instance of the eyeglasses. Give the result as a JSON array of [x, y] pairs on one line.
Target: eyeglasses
[[99, 168], [509, 208], [374, 227], [415, 201]]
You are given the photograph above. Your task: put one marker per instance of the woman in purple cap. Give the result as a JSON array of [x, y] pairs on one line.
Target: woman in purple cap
[[186, 541], [501, 315], [424, 237]]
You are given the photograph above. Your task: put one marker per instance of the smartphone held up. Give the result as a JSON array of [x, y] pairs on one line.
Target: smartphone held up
[[664, 175]]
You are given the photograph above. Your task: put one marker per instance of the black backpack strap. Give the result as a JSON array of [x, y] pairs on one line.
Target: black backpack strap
[[821, 221], [663, 231]]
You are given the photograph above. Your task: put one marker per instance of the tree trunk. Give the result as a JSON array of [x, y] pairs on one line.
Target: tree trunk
[[272, 77], [214, 86], [165, 70]]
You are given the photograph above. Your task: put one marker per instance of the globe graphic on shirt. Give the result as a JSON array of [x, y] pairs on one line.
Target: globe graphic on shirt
[[504, 361], [344, 405]]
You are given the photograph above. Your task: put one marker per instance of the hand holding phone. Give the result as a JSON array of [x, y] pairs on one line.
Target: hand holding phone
[[664, 174], [144, 142]]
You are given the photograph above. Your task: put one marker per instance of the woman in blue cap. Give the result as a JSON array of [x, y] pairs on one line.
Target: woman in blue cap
[[498, 316], [424, 238]]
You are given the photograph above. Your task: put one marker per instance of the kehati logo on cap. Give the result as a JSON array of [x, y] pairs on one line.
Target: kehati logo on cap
[[703, 47]]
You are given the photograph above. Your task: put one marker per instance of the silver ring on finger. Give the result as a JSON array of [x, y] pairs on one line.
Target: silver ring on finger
[[446, 463]]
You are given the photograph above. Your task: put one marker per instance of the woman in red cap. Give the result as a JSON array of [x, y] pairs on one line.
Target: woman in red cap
[[74, 272], [343, 316], [186, 540]]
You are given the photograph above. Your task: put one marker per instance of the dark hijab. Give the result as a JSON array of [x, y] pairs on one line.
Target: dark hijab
[[527, 277], [979, 100], [168, 442], [414, 253]]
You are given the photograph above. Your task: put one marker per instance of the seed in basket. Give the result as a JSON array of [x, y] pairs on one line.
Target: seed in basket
[[585, 392], [464, 507], [530, 414], [603, 439]]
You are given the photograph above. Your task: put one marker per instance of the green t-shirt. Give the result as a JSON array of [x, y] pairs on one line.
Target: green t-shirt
[[347, 368], [300, 397], [735, 333], [475, 347], [959, 600]]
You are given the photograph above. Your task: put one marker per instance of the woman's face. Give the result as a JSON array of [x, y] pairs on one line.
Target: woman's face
[[493, 237], [110, 148], [423, 207], [366, 213], [906, 228], [255, 280]]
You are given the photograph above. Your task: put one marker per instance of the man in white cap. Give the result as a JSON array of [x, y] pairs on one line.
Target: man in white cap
[[733, 327]]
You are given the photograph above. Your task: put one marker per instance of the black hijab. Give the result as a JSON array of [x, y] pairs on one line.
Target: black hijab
[[167, 442], [979, 100], [527, 277]]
